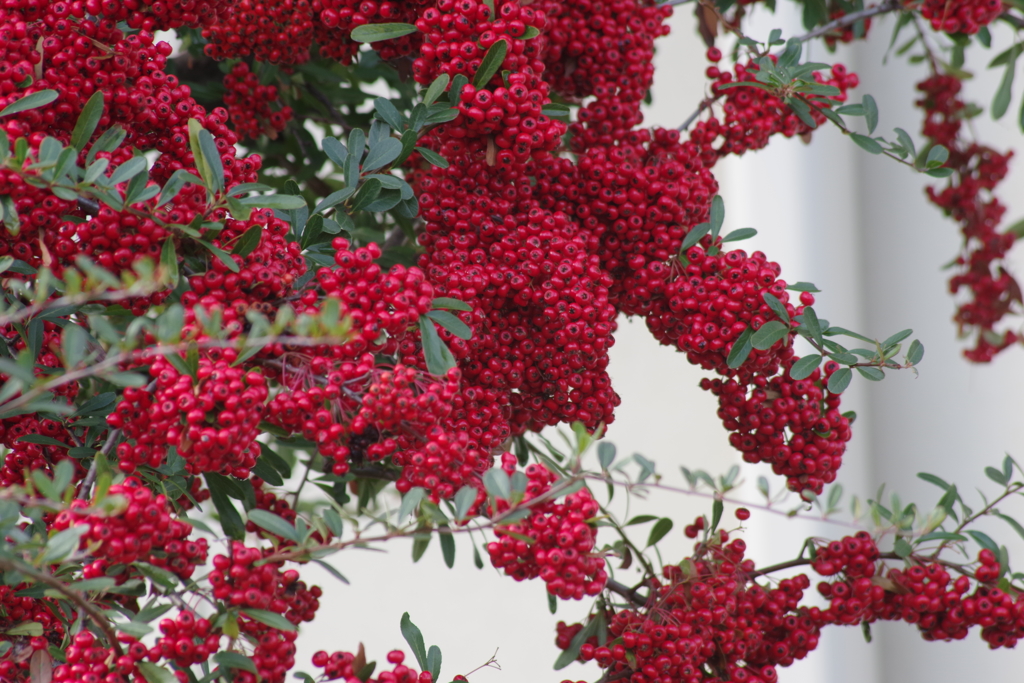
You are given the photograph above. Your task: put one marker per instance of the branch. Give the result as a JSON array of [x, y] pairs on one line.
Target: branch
[[705, 103], [74, 596], [90, 477], [626, 592], [850, 19]]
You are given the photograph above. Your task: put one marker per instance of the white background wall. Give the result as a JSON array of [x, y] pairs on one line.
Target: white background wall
[[860, 228]]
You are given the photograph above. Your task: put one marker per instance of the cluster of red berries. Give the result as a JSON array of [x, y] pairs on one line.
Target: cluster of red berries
[[249, 104], [968, 198], [562, 552], [922, 594], [343, 665], [18, 609], [238, 581], [961, 16], [753, 115], [187, 640], [88, 660], [705, 614], [144, 530], [23, 457]]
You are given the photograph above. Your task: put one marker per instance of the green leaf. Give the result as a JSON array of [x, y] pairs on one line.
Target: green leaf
[[839, 380], [937, 156], [174, 184], [902, 549], [436, 89], [439, 358], [530, 32], [554, 110], [410, 501], [275, 524], [803, 368], [414, 637], [62, 544], [771, 332], [450, 304], [451, 323], [464, 500], [659, 531], [915, 353], [127, 171], [867, 144], [497, 483], [870, 113], [32, 101], [939, 172], [1012, 522], [716, 513], [605, 454], [811, 323], [694, 236], [1001, 100], [26, 628], [247, 243], [156, 674], [432, 157], [382, 154], [490, 64], [283, 202], [984, 540], [212, 160], [871, 373], [447, 545], [997, 476], [332, 571], [230, 521], [741, 349], [388, 113], [234, 660], [740, 234], [90, 117], [932, 479], [169, 260], [335, 151], [777, 306], [373, 33], [941, 536], [717, 216], [222, 256], [271, 619], [108, 142]]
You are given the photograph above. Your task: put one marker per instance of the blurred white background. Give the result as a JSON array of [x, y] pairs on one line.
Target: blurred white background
[[861, 229]]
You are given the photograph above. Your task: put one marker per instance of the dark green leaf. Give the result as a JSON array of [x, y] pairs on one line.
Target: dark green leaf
[[439, 358], [740, 234], [451, 304], [222, 256], [1001, 100], [447, 546], [871, 373], [915, 353], [90, 117], [436, 89], [388, 113], [451, 323], [769, 334], [659, 531], [156, 674], [490, 64], [867, 144], [937, 156], [741, 349], [802, 287], [372, 33], [839, 380], [694, 236], [230, 521], [984, 540], [432, 157], [283, 202], [414, 637], [777, 306], [274, 524], [870, 113], [717, 216], [382, 154], [247, 243], [32, 101], [803, 368], [271, 619], [497, 483], [234, 660], [902, 549], [335, 151], [932, 479]]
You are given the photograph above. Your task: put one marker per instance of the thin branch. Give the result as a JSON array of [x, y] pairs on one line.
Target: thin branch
[[705, 103], [85, 491], [74, 596], [626, 592], [850, 19]]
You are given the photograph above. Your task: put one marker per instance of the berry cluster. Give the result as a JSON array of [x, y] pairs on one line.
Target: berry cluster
[[961, 16], [144, 530], [249, 104], [753, 115], [347, 666], [992, 292], [562, 552]]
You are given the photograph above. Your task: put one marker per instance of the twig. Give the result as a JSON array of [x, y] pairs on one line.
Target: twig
[[705, 103], [90, 477], [626, 592], [101, 622], [853, 18], [1010, 490]]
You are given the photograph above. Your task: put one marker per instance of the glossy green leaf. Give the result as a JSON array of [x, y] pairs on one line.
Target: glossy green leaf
[[31, 101], [491, 63], [659, 531], [372, 33], [803, 368], [90, 117], [839, 380], [769, 334], [275, 524]]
